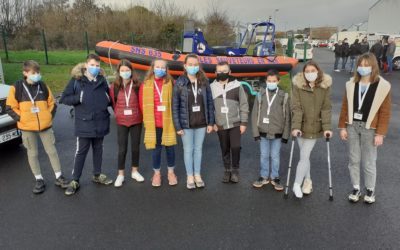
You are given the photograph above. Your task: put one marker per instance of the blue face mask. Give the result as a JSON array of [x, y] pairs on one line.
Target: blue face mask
[[93, 70], [192, 70], [272, 86], [159, 73], [35, 77], [125, 75], [364, 71]]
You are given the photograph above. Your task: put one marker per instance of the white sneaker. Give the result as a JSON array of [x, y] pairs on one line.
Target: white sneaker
[[369, 197], [307, 186], [119, 181], [337, 70], [297, 190], [354, 196], [137, 176]]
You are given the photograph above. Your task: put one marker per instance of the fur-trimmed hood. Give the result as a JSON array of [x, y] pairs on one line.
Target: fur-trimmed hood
[[300, 82], [79, 70]]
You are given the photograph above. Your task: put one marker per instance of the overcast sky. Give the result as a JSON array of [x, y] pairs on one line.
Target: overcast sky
[[291, 14]]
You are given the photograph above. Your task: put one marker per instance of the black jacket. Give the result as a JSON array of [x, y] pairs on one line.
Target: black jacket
[[338, 50], [180, 106], [377, 50], [355, 50], [345, 50]]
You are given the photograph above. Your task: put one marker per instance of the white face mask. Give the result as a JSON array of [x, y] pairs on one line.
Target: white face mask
[[311, 77]]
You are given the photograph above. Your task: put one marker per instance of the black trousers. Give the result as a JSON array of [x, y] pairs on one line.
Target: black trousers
[[134, 132], [82, 148], [229, 140]]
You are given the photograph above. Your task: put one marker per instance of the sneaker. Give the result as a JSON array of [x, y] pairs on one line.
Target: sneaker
[[337, 70], [307, 186], [172, 179], [119, 181], [156, 180], [226, 177], [260, 182], [297, 191], [369, 197], [190, 183], [102, 179], [72, 188], [235, 177], [61, 182], [355, 195], [39, 187], [137, 176], [276, 182], [199, 181]]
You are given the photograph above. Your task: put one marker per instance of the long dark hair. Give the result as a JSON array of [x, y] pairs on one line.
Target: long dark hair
[[201, 76], [119, 81]]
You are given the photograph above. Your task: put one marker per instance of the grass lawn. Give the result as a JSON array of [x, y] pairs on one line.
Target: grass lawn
[[56, 75]]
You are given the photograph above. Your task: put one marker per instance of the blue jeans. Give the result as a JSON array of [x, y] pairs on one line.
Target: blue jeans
[[390, 63], [270, 147], [337, 58], [192, 147], [156, 154], [352, 62]]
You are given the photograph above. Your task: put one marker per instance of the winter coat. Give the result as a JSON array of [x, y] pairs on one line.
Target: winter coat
[[379, 114], [236, 102], [377, 50], [278, 125], [90, 100], [180, 105], [118, 101], [311, 107], [19, 106]]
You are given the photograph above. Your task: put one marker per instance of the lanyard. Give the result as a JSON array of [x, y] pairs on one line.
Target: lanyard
[[361, 99], [158, 91], [195, 91], [29, 94], [127, 97], [270, 102]]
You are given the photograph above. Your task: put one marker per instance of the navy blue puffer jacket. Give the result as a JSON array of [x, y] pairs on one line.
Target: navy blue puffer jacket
[[180, 106]]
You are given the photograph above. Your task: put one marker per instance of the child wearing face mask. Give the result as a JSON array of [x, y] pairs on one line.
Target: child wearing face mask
[[155, 99], [271, 126], [193, 113], [124, 94], [311, 118], [31, 104], [363, 122], [87, 92], [231, 117]]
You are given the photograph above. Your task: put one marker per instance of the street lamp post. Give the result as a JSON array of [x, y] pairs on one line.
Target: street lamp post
[[276, 10]]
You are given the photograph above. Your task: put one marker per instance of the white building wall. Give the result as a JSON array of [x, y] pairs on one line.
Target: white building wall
[[384, 16]]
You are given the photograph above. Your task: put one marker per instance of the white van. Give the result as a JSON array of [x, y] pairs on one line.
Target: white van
[[8, 127], [299, 51]]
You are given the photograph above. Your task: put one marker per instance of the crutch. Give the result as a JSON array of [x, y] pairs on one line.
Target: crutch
[[285, 195], [329, 167]]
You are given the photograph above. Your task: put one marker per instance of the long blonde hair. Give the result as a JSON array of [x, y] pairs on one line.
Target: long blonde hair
[[150, 72]]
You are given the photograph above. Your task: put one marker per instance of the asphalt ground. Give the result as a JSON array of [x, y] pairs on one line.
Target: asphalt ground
[[221, 216]]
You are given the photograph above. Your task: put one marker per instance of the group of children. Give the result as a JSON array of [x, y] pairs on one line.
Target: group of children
[[191, 107]]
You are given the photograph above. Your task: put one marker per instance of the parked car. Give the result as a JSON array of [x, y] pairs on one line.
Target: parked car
[[396, 59], [9, 133], [299, 51]]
